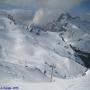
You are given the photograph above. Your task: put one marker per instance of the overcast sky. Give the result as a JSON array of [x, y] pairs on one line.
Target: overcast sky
[[54, 5], [51, 7], [50, 4]]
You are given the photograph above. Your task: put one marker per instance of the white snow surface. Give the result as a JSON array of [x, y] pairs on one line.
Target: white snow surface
[[23, 55], [81, 83]]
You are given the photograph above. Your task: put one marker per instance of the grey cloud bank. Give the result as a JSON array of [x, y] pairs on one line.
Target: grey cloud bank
[[51, 8], [51, 4]]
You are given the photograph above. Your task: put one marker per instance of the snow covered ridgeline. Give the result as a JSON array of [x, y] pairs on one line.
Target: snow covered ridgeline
[[21, 48], [75, 32], [72, 30]]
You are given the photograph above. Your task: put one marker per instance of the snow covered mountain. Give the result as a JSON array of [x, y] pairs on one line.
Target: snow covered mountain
[[75, 32], [29, 55]]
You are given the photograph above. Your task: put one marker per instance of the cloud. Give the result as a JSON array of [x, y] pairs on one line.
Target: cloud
[[51, 4], [51, 8], [38, 17], [86, 16], [2, 1]]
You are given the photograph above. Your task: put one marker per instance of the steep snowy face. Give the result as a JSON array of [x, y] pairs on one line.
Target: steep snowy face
[[24, 51], [74, 30]]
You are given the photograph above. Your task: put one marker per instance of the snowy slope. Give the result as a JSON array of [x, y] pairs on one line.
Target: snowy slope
[[74, 30], [21, 48], [81, 83]]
